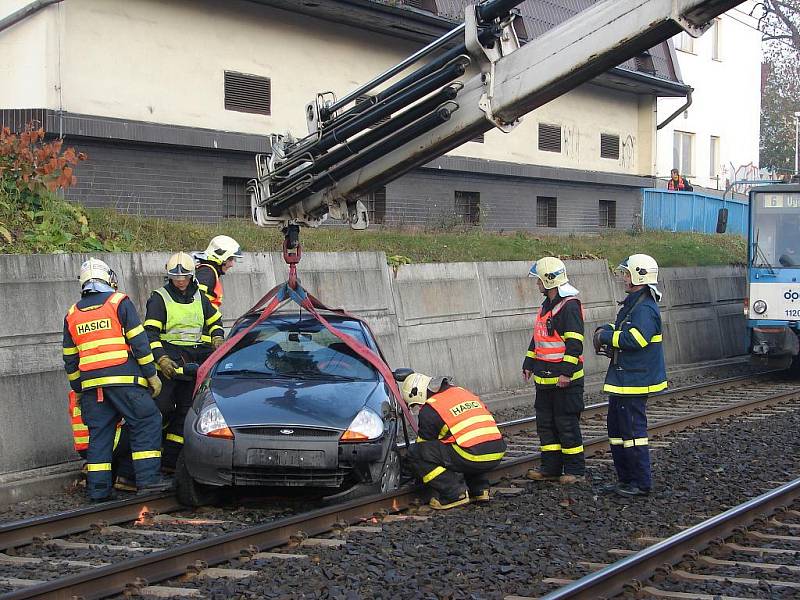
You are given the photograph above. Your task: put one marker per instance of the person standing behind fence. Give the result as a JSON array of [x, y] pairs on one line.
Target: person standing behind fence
[[677, 183]]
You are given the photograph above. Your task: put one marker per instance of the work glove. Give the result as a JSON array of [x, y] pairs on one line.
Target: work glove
[[167, 366], [154, 385], [217, 341], [596, 340]]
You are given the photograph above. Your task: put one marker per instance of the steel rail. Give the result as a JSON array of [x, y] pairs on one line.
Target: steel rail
[[20, 533], [166, 564], [611, 580]]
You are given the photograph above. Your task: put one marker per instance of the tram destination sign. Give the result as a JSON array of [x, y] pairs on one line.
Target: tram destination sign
[[781, 200]]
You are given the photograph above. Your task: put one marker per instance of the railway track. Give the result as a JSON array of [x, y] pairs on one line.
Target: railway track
[[753, 547], [121, 564]]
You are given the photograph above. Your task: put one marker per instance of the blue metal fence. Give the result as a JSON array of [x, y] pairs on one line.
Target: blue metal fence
[[690, 211]]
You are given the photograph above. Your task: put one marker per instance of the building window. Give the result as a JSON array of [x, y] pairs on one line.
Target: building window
[[715, 39], [685, 43], [713, 167], [683, 152], [608, 213], [468, 207], [376, 205], [546, 211], [247, 93], [549, 137], [609, 146], [236, 198]]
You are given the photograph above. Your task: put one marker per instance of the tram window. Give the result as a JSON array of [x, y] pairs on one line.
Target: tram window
[[775, 234]]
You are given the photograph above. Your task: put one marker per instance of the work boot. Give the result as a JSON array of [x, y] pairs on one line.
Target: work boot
[[630, 490], [537, 475], [163, 485], [446, 504], [568, 479], [124, 484], [480, 496]]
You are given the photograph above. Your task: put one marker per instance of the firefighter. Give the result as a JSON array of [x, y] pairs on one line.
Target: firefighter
[[109, 363], [458, 441], [184, 328], [555, 362], [637, 369], [678, 183], [218, 259]]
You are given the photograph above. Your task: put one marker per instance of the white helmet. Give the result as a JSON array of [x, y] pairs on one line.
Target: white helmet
[[97, 276], [221, 248], [180, 264], [643, 270], [551, 272]]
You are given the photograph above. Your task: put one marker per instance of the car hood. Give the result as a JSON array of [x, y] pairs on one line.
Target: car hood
[[252, 401]]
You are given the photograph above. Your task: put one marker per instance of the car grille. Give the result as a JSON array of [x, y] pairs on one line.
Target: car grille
[[289, 476], [297, 433]]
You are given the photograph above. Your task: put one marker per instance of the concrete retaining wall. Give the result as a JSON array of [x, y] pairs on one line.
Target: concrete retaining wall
[[470, 320]]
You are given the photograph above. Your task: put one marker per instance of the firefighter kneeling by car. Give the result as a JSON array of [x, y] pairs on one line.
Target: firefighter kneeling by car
[[458, 443]]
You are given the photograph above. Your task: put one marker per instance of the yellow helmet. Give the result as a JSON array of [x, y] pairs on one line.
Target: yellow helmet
[[223, 247], [180, 264], [551, 272], [95, 275], [415, 388], [643, 269]]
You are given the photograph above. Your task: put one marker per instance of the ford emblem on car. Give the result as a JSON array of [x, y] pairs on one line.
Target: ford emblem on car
[[287, 431]]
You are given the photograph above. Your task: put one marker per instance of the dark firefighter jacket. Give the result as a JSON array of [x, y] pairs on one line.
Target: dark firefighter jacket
[[433, 427], [637, 366], [134, 371], [209, 279], [156, 319], [568, 324]]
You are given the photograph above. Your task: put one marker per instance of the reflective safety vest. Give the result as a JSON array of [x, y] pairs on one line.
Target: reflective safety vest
[[550, 347], [98, 334], [467, 420], [214, 295], [80, 432], [184, 326]]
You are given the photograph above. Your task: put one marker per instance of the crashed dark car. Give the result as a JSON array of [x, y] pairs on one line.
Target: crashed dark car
[[291, 405]]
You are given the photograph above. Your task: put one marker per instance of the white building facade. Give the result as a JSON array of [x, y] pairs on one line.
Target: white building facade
[[716, 139]]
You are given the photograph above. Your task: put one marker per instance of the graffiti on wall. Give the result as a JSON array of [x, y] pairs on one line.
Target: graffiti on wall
[[627, 153], [570, 141]]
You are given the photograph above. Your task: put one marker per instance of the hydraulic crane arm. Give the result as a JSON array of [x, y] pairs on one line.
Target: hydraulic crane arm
[[488, 81]]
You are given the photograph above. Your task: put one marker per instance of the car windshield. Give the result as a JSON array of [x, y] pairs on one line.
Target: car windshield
[[300, 350]]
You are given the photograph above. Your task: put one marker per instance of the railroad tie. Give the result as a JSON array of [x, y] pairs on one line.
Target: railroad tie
[[659, 593], [161, 591], [14, 582]]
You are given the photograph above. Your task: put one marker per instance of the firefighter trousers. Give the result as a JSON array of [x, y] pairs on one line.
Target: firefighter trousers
[[135, 404], [627, 436], [439, 466], [558, 423], [175, 400]]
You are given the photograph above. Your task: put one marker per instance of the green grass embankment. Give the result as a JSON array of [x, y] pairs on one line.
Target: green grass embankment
[[107, 230]]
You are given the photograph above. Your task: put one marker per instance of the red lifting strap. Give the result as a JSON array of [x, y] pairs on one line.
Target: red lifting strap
[[280, 294]]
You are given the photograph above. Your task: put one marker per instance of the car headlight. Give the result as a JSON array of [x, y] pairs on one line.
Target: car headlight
[[212, 423], [366, 426], [759, 307]]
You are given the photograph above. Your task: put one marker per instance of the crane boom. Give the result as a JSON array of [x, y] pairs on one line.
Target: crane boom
[[488, 81]]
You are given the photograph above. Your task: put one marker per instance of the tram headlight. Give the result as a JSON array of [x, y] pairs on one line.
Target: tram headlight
[[759, 307]]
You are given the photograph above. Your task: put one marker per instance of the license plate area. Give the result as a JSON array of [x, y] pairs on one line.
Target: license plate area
[[265, 457]]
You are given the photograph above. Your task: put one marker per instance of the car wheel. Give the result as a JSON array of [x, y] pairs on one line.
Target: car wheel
[[191, 493], [390, 477]]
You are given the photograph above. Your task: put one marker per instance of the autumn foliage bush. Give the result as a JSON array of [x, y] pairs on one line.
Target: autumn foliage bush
[[33, 216]]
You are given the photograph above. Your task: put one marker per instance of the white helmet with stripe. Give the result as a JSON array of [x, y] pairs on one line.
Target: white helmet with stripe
[[97, 276]]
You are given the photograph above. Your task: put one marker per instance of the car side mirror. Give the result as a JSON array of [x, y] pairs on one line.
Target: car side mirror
[[402, 373], [722, 220]]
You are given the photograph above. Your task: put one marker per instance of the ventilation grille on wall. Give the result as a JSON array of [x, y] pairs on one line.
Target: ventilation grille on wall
[[247, 93], [609, 146], [549, 137]]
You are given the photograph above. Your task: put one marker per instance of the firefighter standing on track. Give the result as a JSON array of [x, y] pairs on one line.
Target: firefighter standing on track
[[109, 363], [218, 259], [458, 442], [184, 328], [555, 362], [637, 369]]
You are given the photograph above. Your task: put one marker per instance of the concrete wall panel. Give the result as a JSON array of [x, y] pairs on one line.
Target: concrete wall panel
[[469, 320]]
